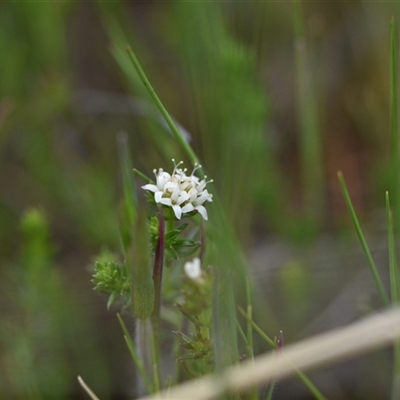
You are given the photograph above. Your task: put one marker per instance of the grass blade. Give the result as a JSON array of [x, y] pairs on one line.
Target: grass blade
[[363, 242], [310, 140], [307, 382], [176, 132], [394, 137], [263, 335], [394, 275], [249, 312], [135, 355], [394, 286]]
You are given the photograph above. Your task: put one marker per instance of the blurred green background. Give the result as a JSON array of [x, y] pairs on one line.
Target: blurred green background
[[275, 98]]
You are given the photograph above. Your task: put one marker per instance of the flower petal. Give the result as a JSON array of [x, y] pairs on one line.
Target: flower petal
[[151, 187], [177, 211], [166, 201], [193, 268], [175, 194], [158, 196], [183, 196], [162, 179], [204, 196], [193, 194], [202, 211], [187, 208]]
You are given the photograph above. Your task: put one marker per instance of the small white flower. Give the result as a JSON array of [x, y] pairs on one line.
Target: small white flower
[[193, 268], [179, 191]]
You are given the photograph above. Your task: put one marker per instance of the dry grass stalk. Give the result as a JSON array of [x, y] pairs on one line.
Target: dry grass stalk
[[338, 345]]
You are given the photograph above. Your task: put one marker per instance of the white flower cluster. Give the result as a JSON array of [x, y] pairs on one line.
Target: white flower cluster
[[184, 193]]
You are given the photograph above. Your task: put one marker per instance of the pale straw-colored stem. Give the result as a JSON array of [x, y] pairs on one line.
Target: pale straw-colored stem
[[338, 345], [87, 389]]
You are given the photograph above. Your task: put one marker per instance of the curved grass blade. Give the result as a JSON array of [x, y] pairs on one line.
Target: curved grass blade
[[176, 132]]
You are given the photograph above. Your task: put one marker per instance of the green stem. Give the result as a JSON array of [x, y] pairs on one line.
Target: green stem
[[253, 393], [394, 137], [363, 242], [135, 354], [394, 275], [174, 129]]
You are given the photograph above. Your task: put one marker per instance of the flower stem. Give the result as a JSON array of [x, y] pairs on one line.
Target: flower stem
[[157, 279], [158, 265]]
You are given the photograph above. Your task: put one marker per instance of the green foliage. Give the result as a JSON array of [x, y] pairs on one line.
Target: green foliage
[[37, 352], [112, 278], [198, 357], [175, 246], [143, 290], [260, 102]]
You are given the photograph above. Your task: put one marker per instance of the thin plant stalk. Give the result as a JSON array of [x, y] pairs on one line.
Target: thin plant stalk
[[363, 242], [253, 395], [174, 129], [307, 382], [394, 285], [87, 389], [157, 280], [159, 264], [394, 134], [249, 312], [270, 392], [258, 329], [394, 274], [310, 141], [147, 345], [135, 355], [130, 195]]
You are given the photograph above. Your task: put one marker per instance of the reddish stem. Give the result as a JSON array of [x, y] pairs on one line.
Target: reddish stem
[[158, 264]]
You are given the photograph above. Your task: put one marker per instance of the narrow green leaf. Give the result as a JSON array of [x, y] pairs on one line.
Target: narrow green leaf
[[257, 328], [128, 210], [307, 109], [111, 299], [363, 242], [142, 175], [174, 129], [130, 195], [307, 382], [241, 333], [249, 313], [394, 136], [270, 392], [134, 354], [395, 191], [394, 275], [395, 290], [313, 389]]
